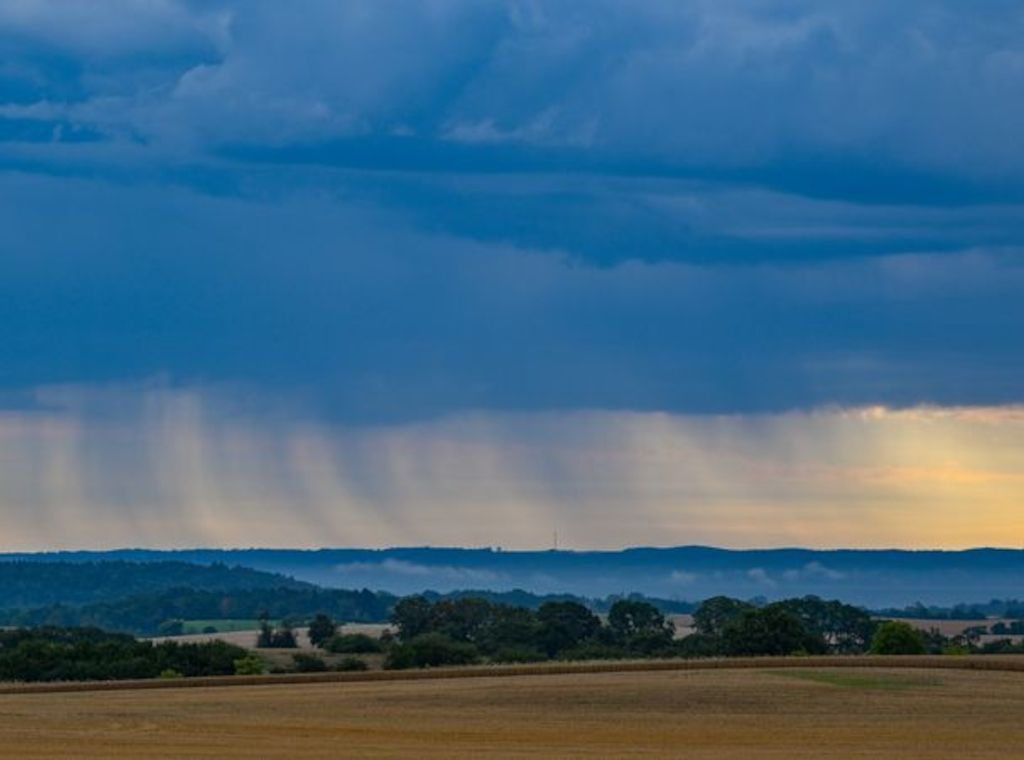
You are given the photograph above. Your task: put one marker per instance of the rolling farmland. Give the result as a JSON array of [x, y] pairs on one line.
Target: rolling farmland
[[745, 713]]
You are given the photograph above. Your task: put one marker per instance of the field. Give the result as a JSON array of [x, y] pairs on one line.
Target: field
[[246, 636], [956, 627], [743, 713], [193, 627]]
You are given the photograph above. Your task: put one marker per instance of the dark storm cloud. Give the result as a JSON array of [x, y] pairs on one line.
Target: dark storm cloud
[[369, 317], [400, 209]]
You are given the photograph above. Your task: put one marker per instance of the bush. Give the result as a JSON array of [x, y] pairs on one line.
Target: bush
[[353, 643], [697, 645], [308, 663], [595, 651], [348, 664], [169, 673], [895, 637], [250, 665], [88, 654], [518, 654], [430, 650]]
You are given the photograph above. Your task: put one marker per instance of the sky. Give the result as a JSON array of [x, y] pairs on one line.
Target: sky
[[468, 272]]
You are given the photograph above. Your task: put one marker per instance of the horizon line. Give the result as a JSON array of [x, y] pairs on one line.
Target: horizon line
[[497, 549]]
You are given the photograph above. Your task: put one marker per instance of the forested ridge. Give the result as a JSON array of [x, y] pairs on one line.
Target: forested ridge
[[33, 584]]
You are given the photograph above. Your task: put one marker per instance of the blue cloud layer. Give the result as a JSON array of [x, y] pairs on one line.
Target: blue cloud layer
[[403, 209]]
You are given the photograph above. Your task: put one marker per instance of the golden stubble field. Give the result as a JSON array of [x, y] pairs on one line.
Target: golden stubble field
[[765, 713]]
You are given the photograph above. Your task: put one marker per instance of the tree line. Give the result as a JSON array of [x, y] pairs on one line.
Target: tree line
[[466, 629], [89, 654], [162, 613]]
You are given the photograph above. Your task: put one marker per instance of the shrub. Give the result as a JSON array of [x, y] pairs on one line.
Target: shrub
[[353, 643], [308, 663], [518, 654], [595, 651], [350, 664], [895, 637], [430, 650], [170, 673], [697, 645], [250, 665]]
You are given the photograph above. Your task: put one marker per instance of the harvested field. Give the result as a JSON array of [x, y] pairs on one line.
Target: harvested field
[[949, 627], [248, 638], [742, 713], [957, 627], [683, 624]]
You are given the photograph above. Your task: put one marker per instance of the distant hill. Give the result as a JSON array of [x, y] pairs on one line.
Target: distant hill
[[144, 614], [26, 584], [140, 597], [880, 578]]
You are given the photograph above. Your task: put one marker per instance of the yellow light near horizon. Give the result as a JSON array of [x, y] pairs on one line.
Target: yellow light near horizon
[[179, 472]]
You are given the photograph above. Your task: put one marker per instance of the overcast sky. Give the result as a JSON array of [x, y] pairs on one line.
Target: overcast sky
[[257, 254]]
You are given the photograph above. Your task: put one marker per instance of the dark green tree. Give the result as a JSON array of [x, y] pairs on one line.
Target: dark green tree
[[844, 628], [897, 637], [512, 631], [565, 625], [321, 630], [640, 626], [352, 643], [412, 616], [282, 637], [430, 650], [772, 630], [265, 639], [462, 619], [308, 663], [714, 614]]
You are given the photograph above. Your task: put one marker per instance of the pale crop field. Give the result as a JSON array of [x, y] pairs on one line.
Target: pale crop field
[[246, 636], [751, 713]]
